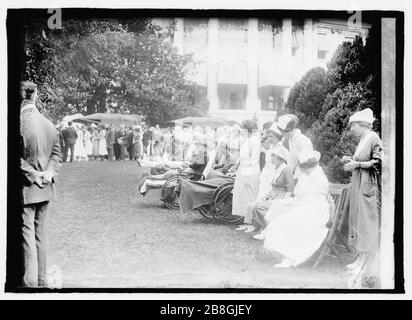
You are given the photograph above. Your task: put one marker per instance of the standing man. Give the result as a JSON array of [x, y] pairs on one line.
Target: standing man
[[40, 162], [69, 135], [130, 144], [110, 140], [116, 147], [147, 139]]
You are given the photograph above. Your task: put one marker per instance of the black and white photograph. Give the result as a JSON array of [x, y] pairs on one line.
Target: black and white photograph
[[219, 150]]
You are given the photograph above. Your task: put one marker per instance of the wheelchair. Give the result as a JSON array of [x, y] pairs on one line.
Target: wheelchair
[[220, 207], [169, 196]]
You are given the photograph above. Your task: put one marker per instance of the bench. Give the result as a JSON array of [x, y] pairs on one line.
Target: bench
[[329, 248]]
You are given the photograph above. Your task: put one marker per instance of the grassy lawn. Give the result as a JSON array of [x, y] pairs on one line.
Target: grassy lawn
[[103, 234]]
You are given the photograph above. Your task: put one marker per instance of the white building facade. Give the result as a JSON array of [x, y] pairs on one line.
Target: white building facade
[[245, 68]]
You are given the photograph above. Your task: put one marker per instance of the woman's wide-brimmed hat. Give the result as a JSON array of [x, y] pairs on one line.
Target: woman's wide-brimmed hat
[[287, 122], [308, 158], [275, 130], [366, 115], [281, 152]]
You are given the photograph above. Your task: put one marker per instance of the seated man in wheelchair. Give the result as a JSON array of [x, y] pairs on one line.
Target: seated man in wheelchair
[[193, 170], [227, 168], [194, 194]]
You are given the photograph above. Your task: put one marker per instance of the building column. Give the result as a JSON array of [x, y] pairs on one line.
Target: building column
[[308, 44], [212, 66], [178, 37], [286, 39], [253, 104]]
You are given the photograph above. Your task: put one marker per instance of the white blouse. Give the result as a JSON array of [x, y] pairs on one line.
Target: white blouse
[[249, 155]]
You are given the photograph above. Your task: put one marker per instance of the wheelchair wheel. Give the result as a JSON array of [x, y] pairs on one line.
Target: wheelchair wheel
[[223, 205], [222, 200], [168, 196], [233, 220], [205, 211]]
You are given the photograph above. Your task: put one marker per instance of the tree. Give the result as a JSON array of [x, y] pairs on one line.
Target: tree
[[330, 135], [127, 66], [307, 96], [324, 101]]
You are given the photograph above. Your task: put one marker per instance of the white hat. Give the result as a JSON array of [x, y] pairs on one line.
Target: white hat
[[287, 122], [366, 115], [308, 157], [275, 129], [281, 152]]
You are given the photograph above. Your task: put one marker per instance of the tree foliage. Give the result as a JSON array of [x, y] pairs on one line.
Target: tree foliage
[[324, 101], [306, 97], [126, 66]]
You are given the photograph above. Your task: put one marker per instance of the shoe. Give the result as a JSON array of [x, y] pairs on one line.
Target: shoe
[[286, 263], [259, 236], [250, 229], [242, 227], [354, 264]]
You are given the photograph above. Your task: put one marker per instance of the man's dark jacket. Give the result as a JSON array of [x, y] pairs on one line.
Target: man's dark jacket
[[40, 152], [69, 135]]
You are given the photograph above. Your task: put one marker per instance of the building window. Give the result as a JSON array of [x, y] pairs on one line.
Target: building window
[[297, 36], [195, 37], [271, 97], [323, 46], [270, 31], [233, 31], [199, 97], [232, 96]]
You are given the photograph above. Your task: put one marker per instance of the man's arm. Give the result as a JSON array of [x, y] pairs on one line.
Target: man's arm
[[55, 157], [32, 175]]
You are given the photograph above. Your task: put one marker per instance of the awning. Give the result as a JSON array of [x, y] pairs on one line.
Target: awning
[[199, 121], [112, 118], [276, 75], [232, 73]]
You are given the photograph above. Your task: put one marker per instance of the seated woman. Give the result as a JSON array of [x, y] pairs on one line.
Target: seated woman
[[297, 227], [282, 187], [272, 137], [193, 169]]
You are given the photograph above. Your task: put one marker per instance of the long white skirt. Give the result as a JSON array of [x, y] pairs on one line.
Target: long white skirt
[[79, 150], [245, 192], [102, 147], [299, 231], [88, 146], [265, 181]]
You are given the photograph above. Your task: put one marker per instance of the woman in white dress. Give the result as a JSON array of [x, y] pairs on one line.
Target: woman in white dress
[[294, 139], [273, 137], [79, 150], [102, 144], [95, 143], [297, 226], [246, 185], [88, 142]]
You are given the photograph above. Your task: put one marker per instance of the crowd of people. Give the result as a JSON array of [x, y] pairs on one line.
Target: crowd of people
[[279, 186], [287, 202]]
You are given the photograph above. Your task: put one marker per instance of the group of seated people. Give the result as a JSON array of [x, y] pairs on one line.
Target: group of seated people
[[284, 199]]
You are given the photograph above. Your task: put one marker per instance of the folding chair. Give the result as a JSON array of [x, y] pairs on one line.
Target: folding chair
[[329, 248]]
